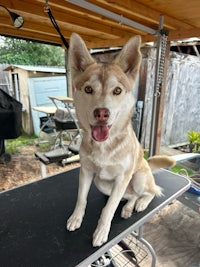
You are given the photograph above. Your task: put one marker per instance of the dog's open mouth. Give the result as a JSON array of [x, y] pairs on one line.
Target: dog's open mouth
[[100, 132]]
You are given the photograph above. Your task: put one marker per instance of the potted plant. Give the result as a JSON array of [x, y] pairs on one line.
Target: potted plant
[[194, 141]]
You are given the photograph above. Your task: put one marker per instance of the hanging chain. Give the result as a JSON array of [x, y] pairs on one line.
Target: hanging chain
[[163, 45], [164, 36]]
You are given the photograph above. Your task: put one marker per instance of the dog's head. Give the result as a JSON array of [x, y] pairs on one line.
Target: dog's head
[[103, 91]]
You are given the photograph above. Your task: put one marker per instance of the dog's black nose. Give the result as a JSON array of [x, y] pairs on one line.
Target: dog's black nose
[[101, 114]]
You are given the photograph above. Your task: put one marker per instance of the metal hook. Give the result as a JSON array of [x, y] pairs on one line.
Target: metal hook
[[46, 6]]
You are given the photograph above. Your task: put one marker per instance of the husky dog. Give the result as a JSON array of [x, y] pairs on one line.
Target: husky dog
[[104, 105]]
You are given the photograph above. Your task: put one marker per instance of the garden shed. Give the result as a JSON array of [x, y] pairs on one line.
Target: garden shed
[[32, 85]]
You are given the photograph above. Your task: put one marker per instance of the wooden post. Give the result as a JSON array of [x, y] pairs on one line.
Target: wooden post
[[68, 75]]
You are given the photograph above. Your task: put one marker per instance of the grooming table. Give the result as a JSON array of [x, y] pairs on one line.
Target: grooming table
[[33, 220]]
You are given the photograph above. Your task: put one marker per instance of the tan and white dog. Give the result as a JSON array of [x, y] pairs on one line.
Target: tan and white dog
[[110, 150]]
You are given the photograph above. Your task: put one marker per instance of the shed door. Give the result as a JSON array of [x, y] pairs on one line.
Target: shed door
[[40, 89]]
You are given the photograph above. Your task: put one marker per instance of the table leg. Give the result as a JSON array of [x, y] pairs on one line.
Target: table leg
[[139, 236], [43, 170]]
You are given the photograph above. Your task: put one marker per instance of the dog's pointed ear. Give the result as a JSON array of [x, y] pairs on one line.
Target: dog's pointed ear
[[79, 57], [129, 58]]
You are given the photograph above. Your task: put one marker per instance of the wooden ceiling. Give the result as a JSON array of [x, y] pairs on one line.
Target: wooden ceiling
[[181, 18]]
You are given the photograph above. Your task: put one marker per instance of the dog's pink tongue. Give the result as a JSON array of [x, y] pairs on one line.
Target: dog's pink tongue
[[100, 132]]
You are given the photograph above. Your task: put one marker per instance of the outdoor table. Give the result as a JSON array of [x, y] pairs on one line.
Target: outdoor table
[[33, 220], [49, 111]]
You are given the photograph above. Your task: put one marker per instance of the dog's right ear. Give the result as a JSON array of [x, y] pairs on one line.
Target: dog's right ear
[[79, 57]]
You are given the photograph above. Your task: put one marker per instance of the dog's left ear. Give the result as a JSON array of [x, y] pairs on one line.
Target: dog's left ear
[[79, 57], [129, 58]]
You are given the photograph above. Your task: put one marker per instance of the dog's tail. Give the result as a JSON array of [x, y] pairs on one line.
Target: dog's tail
[[157, 162]]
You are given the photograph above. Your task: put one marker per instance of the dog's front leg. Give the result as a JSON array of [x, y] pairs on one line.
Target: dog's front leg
[[100, 235], [85, 180]]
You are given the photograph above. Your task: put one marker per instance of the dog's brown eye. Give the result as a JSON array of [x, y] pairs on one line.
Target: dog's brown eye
[[117, 91], [88, 90]]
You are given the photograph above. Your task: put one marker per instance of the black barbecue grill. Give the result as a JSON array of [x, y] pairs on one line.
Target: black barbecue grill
[[10, 122]]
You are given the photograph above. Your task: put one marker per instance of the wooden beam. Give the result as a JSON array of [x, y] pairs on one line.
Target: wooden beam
[[97, 30], [184, 34], [12, 32], [65, 16], [140, 12], [120, 41]]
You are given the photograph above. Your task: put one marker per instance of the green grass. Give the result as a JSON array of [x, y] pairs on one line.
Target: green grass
[[44, 147], [146, 154], [13, 146], [178, 169]]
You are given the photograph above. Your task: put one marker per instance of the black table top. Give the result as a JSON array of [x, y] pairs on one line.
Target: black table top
[[33, 221]]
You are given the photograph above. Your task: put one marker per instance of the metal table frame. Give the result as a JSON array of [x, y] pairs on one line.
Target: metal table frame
[[49, 111]]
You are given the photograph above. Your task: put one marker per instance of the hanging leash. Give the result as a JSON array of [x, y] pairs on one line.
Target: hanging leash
[[48, 11]]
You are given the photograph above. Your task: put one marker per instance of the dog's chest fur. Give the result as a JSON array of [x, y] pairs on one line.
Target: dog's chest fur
[[106, 161]]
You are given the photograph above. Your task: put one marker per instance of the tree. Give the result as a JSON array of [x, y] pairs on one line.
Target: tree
[[25, 52]]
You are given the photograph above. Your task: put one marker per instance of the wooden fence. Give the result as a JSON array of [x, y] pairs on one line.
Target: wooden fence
[[182, 97]]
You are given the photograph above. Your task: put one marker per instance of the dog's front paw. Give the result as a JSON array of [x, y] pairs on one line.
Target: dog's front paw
[[100, 235], [74, 222], [141, 205], [126, 212]]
